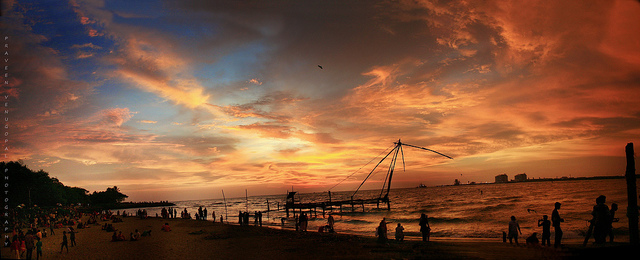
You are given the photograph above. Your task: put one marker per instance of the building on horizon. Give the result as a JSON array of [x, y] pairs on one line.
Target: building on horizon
[[502, 178], [520, 177]]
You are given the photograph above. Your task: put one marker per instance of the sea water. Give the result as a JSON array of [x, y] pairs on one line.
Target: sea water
[[464, 211]]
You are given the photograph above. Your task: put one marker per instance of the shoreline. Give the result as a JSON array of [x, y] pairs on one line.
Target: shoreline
[[192, 238]]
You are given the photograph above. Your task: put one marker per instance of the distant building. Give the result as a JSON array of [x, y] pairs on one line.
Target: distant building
[[520, 177], [502, 178]]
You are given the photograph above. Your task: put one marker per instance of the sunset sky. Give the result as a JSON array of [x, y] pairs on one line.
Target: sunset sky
[[177, 100]]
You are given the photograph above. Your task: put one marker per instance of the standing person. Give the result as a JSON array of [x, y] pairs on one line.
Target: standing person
[[382, 231], [514, 229], [425, 229], [331, 222], [204, 214], [72, 236], [255, 218], [304, 222], [29, 244], [601, 219], [556, 220], [23, 246], [64, 242], [38, 249], [546, 229], [399, 232], [213, 216], [15, 247]]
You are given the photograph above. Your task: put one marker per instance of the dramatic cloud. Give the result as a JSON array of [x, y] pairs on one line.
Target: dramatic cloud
[[206, 94]]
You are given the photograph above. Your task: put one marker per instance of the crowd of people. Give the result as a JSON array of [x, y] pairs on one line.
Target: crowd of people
[[425, 230], [201, 214], [43, 224], [600, 226], [243, 218], [30, 227]]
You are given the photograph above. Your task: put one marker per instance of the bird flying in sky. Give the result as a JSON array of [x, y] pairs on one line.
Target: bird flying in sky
[[320, 67]]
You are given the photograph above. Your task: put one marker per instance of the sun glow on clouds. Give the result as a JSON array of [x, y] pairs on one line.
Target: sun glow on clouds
[[233, 96]]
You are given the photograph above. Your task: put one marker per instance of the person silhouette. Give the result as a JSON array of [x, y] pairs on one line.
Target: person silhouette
[[546, 230], [514, 228], [425, 229], [382, 231], [601, 219], [533, 239], [64, 242], [331, 222], [556, 220], [399, 232]]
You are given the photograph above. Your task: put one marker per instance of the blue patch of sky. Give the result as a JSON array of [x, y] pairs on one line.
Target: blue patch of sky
[[119, 94], [147, 8], [56, 21], [239, 66], [155, 15]]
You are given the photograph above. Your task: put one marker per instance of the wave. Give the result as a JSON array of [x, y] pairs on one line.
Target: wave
[[498, 207], [356, 221], [445, 220]]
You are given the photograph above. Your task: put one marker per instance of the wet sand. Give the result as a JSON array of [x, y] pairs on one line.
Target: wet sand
[[190, 239]]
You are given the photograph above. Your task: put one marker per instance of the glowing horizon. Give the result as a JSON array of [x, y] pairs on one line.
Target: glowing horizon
[[176, 100]]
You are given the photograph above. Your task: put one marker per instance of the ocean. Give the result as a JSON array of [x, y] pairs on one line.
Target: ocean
[[455, 212]]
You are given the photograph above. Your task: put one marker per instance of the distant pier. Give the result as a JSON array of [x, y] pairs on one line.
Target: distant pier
[[330, 205]]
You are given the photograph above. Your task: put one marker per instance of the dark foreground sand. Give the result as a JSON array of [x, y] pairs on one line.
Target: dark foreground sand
[[190, 239]]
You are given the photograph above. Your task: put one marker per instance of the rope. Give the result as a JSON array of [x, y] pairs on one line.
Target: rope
[[361, 167]]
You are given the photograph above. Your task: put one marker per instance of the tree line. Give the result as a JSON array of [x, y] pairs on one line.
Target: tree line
[[23, 186]]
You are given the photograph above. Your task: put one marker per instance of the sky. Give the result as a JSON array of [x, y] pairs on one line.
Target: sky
[[179, 100]]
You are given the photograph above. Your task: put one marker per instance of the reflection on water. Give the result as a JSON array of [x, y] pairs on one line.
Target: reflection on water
[[467, 211]]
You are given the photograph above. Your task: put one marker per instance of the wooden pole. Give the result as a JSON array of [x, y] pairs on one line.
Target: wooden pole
[[632, 195], [226, 215]]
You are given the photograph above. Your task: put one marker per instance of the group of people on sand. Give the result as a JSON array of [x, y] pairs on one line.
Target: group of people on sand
[[302, 222], [600, 226], [133, 236], [425, 230], [202, 214], [329, 226], [243, 218], [514, 230], [169, 213], [33, 226], [22, 243]]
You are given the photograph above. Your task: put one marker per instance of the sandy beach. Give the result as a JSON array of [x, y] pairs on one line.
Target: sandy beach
[[191, 239]]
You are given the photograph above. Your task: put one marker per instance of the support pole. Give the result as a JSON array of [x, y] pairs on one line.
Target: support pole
[[226, 215], [632, 195]]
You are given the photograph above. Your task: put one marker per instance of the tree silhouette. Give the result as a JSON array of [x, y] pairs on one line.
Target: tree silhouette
[[29, 188]]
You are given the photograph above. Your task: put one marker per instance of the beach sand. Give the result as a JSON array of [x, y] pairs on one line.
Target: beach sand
[[191, 239]]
